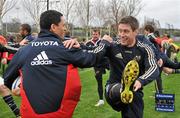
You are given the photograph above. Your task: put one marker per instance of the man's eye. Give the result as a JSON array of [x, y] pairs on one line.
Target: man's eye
[[126, 31]]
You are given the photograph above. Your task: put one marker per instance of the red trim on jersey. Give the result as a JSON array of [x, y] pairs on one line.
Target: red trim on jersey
[[5, 55], [10, 56], [3, 40], [70, 99], [158, 40]]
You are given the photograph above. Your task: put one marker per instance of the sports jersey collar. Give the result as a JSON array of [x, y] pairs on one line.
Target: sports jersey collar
[[45, 33], [125, 47], [24, 36], [95, 42]]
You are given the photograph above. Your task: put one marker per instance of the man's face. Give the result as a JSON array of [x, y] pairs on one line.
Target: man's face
[[60, 28], [127, 35], [95, 35], [22, 32], [146, 32]]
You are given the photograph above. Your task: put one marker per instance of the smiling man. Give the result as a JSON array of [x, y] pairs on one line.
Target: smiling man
[[100, 68], [127, 58], [50, 85], [129, 48], [121, 81]]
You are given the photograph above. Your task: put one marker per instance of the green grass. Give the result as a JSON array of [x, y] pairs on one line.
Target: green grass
[[89, 97]]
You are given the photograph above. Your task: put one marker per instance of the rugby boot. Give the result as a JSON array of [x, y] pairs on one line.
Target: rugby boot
[[130, 74]]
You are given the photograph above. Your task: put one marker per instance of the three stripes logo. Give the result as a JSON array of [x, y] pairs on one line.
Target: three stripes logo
[[41, 59]]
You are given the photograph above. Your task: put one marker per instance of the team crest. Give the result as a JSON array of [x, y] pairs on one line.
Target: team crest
[[137, 58]]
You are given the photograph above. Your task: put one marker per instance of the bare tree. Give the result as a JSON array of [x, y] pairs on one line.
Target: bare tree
[[66, 7], [121, 8], [115, 10], [5, 7], [84, 12], [99, 12], [34, 8], [132, 7]]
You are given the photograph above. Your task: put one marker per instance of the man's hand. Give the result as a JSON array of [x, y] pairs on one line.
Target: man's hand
[[16, 91], [4, 91], [71, 43], [160, 62], [137, 85], [4, 61], [107, 38], [24, 42]]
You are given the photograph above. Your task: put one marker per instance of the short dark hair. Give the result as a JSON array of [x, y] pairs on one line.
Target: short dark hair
[[149, 28], [156, 33], [96, 30], [132, 21], [48, 18], [26, 27]]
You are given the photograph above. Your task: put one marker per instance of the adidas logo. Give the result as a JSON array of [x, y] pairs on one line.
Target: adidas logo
[[41, 59], [119, 55]]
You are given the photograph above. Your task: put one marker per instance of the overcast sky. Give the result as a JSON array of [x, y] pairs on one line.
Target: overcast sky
[[166, 11]]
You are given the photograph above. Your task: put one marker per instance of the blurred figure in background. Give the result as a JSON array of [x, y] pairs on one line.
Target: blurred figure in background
[[100, 68], [25, 32]]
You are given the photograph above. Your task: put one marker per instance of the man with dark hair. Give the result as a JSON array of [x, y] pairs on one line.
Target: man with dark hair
[[149, 28], [129, 48], [51, 86], [149, 33], [127, 58], [166, 62], [25, 32], [156, 33], [100, 68]]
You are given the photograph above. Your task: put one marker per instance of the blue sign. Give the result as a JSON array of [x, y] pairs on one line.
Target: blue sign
[[165, 102]]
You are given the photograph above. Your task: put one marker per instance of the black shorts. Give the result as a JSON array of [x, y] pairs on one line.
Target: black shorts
[[99, 71], [113, 96]]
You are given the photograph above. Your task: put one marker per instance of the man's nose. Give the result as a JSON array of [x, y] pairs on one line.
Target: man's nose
[[122, 34]]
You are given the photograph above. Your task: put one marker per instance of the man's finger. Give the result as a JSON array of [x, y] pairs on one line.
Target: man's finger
[[67, 44], [135, 88], [71, 44], [64, 43], [137, 85], [76, 46]]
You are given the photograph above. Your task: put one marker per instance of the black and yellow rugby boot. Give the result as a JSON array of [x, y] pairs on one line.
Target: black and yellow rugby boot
[[130, 74]]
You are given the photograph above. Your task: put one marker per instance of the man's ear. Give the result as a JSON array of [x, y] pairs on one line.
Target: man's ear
[[53, 27], [136, 31]]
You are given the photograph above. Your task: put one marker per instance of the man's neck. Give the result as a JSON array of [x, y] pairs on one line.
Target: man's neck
[[95, 40], [133, 43]]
